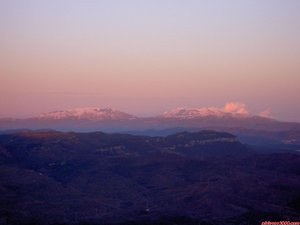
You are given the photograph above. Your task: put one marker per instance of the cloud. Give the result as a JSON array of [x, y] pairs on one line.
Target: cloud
[[266, 113], [235, 107]]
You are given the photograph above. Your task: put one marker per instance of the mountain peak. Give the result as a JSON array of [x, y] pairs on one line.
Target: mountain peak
[[230, 109], [190, 113], [90, 113]]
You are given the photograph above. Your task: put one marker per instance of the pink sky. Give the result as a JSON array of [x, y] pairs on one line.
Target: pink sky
[[146, 57]]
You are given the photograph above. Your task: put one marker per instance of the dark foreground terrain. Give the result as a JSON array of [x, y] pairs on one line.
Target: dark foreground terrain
[[207, 177]]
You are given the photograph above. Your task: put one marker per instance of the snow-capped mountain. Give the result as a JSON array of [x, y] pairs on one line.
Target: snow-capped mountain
[[232, 115], [231, 109], [88, 113], [189, 113]]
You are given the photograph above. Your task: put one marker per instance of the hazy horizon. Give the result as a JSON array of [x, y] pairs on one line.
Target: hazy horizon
[[236, 108], [147, 57]]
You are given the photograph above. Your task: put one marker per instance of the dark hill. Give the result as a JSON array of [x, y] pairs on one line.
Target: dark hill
[[207, 177]]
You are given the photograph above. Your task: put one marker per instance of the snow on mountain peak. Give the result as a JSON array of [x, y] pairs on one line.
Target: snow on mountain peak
[[230, 109], [90, 113], [186, 113]]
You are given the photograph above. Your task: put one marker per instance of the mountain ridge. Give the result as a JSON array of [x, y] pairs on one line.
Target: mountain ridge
[[90, 113], [189, 113], [110, 120]]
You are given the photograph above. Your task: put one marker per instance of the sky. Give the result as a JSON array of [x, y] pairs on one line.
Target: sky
[[148, 56]]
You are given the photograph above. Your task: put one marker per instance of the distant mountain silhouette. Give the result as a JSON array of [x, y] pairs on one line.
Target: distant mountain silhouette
[[109, 120]]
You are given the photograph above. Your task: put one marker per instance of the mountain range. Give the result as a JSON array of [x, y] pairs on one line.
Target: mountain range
[[89, 113], [233, 118], [187, 166], [106, 119]]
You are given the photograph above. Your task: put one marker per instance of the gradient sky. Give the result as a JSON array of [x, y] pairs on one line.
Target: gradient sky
[[148, 56]]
